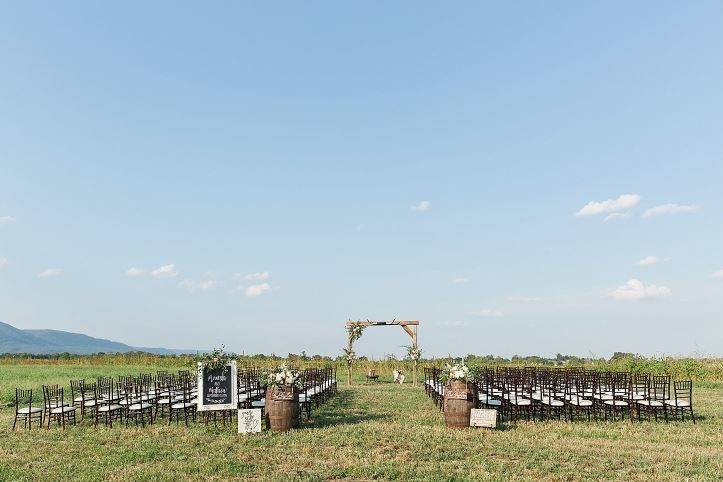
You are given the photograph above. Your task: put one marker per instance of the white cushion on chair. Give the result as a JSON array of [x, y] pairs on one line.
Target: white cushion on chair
[[139, 406], [650, 403], [520, 402], [616, 403], [553, 402], [259, 403], [678, 403], [580, 402], [109, 408], [63, 410], [180, 405], [27, 410]]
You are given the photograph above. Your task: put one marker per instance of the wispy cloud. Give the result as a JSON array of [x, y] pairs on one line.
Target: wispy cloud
[[165, 271], [459, 281], [670, 209], [718, 274], [649, 261], [257, 290], [50, 273], [204, 285], [422, 206], [136, 272], [635, 290], [487, 313], [617, 216], [6, 220], [260, 276], [3, 262], [622, 203]]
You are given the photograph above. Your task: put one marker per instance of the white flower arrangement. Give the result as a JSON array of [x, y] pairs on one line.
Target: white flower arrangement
[[282, 375], [458, 371]]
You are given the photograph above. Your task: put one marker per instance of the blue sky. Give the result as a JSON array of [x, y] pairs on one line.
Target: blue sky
[[185, 176]]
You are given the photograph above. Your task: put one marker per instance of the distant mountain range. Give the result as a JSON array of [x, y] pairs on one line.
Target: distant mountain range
[[46, 342]]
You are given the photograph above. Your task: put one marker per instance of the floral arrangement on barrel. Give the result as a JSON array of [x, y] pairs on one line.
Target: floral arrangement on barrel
[[459, 372], [215, 359], [282, 376]]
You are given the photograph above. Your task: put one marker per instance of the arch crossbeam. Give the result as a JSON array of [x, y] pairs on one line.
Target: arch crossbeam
[[410, 326]]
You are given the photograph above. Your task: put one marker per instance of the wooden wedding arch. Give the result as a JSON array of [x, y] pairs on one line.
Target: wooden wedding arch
[[409, 326]]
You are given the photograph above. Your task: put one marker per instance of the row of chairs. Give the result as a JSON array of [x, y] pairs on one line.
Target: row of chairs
[[146, 398], [533, 392]]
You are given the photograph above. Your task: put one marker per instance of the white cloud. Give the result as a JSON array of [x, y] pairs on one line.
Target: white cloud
[[523, 299], [615, 216], [3, 262], [50, 273], [260, 276], [422, 206], [359, 228], [718, 274], [487, 313], [670, 209], [257, 290], [622, 203], [460, 281], [6, 220], [208, 284], [165, 271], [136, 272], [637, 290], [648, 261]]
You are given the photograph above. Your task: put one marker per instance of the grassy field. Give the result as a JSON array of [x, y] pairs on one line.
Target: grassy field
[[380, 431]]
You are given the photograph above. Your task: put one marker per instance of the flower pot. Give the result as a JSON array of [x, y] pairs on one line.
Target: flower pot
[[282, 408], [458, 404]]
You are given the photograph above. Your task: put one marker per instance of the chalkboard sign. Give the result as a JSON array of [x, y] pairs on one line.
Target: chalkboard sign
[[217, 388], [482, 417]]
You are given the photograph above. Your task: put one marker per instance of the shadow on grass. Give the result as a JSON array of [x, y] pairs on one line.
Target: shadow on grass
[[341, 409]]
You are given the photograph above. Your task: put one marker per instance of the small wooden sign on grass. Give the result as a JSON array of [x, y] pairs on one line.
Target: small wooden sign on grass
[[483, 417], [249, 420]]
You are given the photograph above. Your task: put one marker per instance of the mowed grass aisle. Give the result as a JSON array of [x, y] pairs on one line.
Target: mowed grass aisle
[[379, 431]]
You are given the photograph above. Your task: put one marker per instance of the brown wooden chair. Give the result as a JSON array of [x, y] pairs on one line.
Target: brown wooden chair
[[55, 406], [25, 411], [135, 406], [655, 401], [682, 400], [183, 404], [107, 405]]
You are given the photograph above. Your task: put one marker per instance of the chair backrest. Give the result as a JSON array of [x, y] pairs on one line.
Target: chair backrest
[[23, 398], [683, 391], [660, 387], [53, 396], [640, 384]]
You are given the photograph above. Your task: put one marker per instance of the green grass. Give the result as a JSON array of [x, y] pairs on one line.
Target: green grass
[[379, 431]]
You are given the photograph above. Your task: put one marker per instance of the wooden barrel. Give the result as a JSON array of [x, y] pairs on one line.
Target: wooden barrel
[[458, 404], [282, 411]]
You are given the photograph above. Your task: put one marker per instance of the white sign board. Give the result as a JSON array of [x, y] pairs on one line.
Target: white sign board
[[217, 389], [483, 417], [249, 420]]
